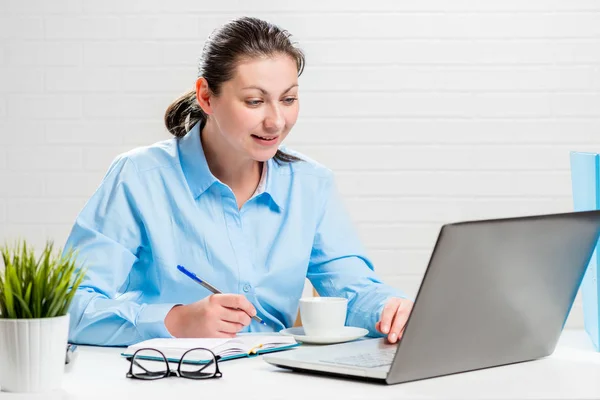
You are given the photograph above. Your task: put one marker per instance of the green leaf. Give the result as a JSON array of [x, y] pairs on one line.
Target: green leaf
[[12, 277], [78, 279], [59, 297], [24, 307], [8, 301]]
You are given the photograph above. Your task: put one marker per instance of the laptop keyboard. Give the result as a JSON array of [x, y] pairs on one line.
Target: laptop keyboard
[[379, 358]]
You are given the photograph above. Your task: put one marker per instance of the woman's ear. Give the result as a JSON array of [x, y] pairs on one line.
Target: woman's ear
[[203, 95]]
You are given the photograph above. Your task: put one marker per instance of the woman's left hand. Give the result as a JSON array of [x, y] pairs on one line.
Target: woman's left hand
[[394, 317]]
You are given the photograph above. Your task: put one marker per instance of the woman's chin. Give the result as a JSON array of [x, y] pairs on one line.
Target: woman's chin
[[263, 154]]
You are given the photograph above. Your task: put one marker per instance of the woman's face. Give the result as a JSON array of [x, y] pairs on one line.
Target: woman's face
[[258, 107]]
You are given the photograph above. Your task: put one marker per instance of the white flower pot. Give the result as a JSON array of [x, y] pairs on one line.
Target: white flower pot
[[32, 353]]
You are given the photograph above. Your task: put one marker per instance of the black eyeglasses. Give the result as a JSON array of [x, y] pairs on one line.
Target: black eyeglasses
[[198, 363]]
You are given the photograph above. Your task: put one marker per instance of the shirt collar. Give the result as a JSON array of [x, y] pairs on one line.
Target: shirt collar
[[193, 162], [260, 189], [275, 184], [199, 178]]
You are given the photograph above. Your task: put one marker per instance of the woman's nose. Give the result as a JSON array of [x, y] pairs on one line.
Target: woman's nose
[[274, 120]]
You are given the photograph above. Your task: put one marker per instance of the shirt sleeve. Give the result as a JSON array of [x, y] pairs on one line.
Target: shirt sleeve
[[107, 236], [339, 266]]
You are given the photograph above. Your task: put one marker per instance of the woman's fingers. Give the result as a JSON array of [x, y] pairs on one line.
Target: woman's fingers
[[400, 318], [393, 318], [236, 301], [387, 315], [235, 316], [230, 328]]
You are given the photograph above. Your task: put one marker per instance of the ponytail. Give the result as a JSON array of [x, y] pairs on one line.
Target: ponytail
[[183, 114]]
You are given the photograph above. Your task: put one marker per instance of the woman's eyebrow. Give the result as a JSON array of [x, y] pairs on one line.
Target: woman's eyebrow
[[265, 92]]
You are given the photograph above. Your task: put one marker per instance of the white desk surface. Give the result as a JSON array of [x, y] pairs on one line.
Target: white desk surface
[[573, 371]]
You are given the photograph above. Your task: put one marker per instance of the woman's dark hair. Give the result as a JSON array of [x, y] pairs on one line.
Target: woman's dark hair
[[237, 40]]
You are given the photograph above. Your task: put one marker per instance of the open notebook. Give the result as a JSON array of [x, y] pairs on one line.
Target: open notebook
[[240, 346]]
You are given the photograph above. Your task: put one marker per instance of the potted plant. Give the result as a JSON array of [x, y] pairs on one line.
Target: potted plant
[[35, 294]]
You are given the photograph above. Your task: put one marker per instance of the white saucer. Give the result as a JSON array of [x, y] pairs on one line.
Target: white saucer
[[347, 334]]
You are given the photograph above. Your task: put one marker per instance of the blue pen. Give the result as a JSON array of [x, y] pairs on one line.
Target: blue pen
[[210, 287]]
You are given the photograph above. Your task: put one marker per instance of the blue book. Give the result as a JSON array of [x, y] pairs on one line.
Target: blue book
[[227, 349], [585, 178]]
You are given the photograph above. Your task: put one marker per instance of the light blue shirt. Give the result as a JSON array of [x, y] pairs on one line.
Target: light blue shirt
[[160, 206]]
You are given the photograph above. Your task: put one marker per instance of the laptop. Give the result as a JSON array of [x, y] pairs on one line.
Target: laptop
[[495, 292]]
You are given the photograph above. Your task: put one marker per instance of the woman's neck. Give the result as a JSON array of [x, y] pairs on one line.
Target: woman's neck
[[241, 174]]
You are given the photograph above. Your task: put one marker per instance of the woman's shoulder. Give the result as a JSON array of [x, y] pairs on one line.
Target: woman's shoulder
[[156, 155], [307, 166]]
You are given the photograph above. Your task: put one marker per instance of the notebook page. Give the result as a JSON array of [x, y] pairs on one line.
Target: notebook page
[[178, 343], [243, 344], [247, 343]]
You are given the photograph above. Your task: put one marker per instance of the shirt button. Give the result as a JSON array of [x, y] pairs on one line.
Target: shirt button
[[246, 287]]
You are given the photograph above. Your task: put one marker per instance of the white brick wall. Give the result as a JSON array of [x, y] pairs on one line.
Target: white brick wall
[[429, 111]]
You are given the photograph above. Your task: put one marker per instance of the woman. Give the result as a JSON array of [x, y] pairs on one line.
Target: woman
[[225, 201]]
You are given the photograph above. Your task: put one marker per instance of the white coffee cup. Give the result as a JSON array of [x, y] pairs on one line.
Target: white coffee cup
[[323, 316]]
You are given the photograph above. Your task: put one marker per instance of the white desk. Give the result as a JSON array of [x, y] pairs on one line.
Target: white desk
[[573, 371]]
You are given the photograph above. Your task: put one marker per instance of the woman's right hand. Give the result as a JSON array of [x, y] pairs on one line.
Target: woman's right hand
[[215, 316]]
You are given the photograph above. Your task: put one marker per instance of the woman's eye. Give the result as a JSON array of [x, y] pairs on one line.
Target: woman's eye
[[253, 102], [289, 100]]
